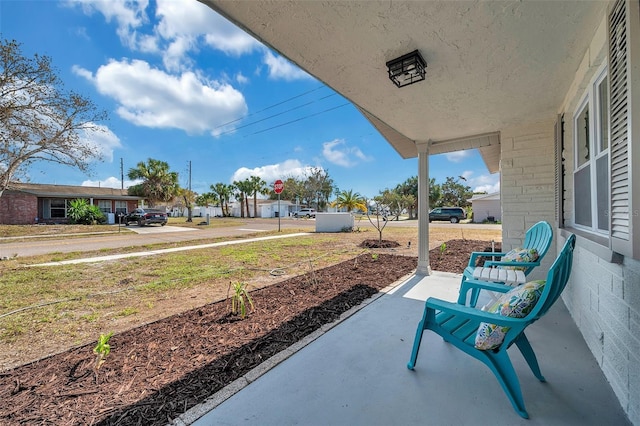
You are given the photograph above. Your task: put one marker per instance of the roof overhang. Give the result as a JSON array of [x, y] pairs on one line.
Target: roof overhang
[[490, 64]]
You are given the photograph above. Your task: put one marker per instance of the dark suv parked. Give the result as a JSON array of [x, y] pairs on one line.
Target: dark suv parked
[[452, 214], [145, 217]]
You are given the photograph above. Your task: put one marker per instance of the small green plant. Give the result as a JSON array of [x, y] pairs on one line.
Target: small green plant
[[102, 349], [374, 256], [239, 299], [443, 248]]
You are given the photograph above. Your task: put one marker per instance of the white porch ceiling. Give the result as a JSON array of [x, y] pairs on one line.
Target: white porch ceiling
[[491, 64]]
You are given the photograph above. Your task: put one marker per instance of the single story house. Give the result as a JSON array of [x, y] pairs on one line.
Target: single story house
[[486, 207], [547, 91], [32, 203]]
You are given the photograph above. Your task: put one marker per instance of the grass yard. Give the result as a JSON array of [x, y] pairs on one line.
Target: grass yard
[[45, 310]]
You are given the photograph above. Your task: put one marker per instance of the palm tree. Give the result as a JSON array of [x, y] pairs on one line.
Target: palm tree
[[189, 198], [158, 183], [258, 185], [244, 189], [223, 191], [350, 201]]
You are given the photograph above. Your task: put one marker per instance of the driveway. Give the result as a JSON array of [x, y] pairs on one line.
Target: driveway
[[157, 229]]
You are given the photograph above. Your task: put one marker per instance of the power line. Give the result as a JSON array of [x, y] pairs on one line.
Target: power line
[[274, 115], [271, 106], [298, 119]]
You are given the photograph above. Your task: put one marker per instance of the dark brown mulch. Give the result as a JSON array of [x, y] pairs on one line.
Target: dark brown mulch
[[159, 370], [379, 244], [454, 255]]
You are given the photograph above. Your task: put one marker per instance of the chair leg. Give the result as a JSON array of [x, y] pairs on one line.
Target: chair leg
[[501, 366], [527, 352], [416, 345]]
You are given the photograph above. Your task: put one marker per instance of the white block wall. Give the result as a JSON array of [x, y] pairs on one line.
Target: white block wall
[[602, 297], [604, 301], [527, 183]]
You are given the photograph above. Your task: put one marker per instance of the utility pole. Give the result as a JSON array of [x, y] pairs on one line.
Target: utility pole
[[189, 207], [121, 174]]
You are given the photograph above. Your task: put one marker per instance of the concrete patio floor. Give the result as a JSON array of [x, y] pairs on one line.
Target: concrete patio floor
[[355, 373]]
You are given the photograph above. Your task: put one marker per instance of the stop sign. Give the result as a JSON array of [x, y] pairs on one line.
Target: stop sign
[[278, 186]]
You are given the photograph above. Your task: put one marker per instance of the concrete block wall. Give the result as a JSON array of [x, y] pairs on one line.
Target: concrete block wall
[[527, 184], [604, 301]]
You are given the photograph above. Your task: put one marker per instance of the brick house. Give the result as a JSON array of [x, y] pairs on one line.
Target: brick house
[[29, 203]]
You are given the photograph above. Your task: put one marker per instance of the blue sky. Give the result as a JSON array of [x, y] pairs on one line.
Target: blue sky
[[183, 85]]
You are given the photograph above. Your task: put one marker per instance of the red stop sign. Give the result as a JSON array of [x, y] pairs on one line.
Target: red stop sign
[[278, 186]]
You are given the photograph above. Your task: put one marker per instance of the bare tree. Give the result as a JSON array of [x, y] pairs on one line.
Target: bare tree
[[39, 121]]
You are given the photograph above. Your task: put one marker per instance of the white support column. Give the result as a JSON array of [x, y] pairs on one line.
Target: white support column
[[423, 209]]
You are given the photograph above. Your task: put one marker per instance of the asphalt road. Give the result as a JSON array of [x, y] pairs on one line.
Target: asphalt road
[[156, 234]]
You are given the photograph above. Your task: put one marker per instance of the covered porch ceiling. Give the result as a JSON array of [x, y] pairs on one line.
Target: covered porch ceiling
[[490, 64]]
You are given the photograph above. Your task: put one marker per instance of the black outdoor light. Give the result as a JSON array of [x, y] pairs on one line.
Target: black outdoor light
[[407, 69]]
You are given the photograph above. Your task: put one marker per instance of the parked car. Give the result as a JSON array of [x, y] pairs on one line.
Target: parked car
[[452, 214], [146, 217], [305, 213]]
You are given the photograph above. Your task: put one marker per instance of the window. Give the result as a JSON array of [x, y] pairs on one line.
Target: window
[[591, 173], [58, 208], [104, 206], [121, 207]]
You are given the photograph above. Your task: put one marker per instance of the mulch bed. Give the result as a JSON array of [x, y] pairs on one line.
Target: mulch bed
[[158, 371]]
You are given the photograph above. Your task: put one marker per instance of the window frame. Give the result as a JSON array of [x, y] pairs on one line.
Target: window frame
[[592, 102]]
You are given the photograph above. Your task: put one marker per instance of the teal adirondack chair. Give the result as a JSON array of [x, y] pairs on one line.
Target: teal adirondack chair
[[538, 237], [458, 325]]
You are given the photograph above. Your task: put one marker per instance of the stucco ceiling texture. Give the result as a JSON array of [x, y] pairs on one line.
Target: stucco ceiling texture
[[490, 63]]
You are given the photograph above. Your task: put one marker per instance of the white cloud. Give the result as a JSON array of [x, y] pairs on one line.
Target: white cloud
[[104, 140], [110, 182], [241, 79], [457, 156], [128, 15], [281, 69], [485, 183], [150, 97], [337, 152], [272, 172], [183, 26]]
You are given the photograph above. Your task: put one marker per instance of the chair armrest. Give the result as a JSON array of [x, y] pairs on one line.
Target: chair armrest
[[491, 263], [476, 254], [481, 285], [472, 313]]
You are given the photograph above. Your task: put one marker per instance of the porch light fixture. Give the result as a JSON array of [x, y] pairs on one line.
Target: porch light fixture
[[407, 69]]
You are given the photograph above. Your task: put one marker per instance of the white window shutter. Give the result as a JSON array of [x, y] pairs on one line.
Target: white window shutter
[[624, 67]]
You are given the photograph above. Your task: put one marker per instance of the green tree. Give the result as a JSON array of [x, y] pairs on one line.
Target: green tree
[[435, 193], [318, 187], [223, 192], [406, 189], [159, 184], [350, 200], [207, 199], [243, 189], [455, 194], [189, 198], [39, 121], [258, 186]]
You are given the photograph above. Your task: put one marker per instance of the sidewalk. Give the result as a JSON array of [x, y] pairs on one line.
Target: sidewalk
[[164, 251]]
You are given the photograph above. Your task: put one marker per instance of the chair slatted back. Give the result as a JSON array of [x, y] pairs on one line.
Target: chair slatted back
[[557, 278], [538, 237]]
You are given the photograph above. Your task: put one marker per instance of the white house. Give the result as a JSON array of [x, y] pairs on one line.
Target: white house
[[486, 207], [547, 91]]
